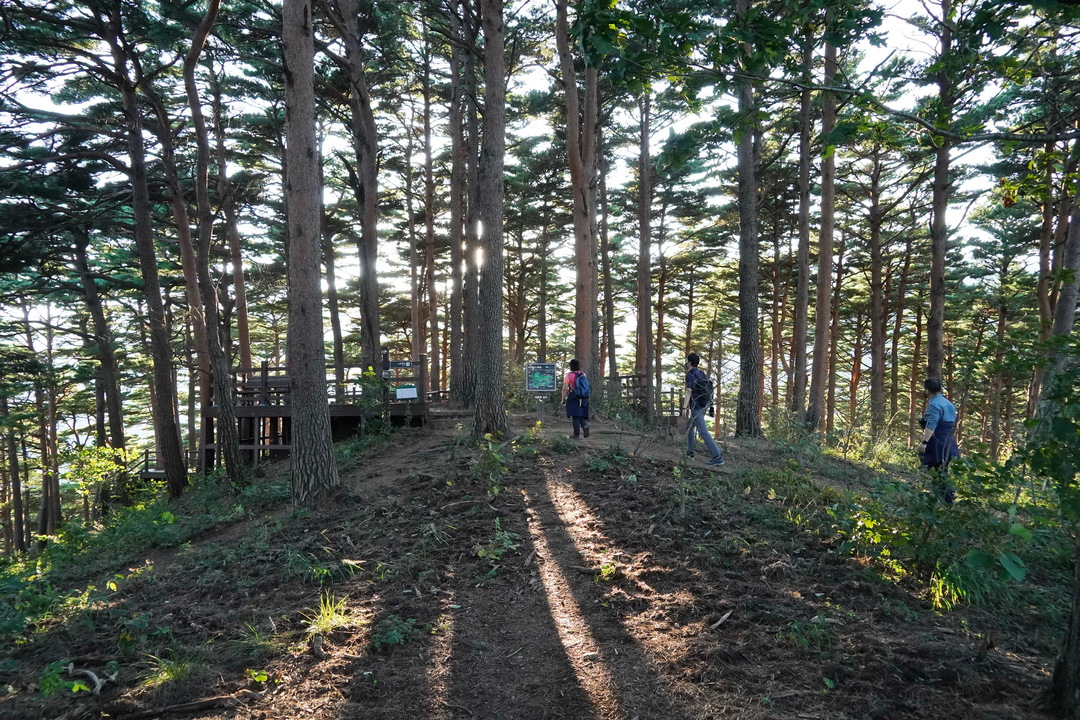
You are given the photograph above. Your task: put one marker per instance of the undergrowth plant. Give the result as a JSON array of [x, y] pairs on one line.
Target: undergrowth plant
[[491, 552], [332, 614], [491, 466], [392, 631]]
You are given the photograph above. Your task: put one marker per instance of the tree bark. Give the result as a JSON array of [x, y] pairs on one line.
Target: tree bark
[[1065, 687], [819, 375], [802, 288], [646, 355], [188, 259], [103, 341], [898, 324], [14, 478], [748, 409], [227, 194], [470, 285], [877, 302], [228, 440], [314, 469], [429, 233], [364, 134], [329, 258], [490, 412], [581, 136], [49, 512], [834, 339], [457, 380], [165, 409], [935, 321], [607, 250]]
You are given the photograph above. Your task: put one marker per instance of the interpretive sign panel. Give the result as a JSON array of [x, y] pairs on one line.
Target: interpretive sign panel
[[541, 377]]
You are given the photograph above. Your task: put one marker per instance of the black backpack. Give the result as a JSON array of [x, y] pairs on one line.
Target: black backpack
[[702, 390]]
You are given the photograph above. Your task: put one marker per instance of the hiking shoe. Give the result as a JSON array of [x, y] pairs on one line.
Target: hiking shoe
[[585, 431], [716, 462]]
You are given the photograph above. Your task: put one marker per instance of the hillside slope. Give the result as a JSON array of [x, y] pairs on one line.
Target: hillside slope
[[543, 578]]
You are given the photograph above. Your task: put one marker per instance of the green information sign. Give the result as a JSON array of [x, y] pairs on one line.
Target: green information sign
[[541, 377]]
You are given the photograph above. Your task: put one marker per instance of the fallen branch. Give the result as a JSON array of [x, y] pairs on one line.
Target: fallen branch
[[233, 700], [99, 682], [722, 620]]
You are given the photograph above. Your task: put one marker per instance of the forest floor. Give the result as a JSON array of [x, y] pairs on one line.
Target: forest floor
[[544, 578]]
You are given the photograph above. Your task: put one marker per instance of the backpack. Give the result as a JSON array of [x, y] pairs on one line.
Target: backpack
[[702, 390], [581, 390]]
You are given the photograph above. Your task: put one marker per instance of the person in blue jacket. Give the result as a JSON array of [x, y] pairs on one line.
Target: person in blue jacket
[[938, 444]]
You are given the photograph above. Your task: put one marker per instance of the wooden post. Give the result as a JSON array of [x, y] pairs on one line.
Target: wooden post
[[264, 389], [422, 384]]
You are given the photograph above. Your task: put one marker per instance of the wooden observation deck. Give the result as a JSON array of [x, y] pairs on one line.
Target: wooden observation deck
[[261, 404]]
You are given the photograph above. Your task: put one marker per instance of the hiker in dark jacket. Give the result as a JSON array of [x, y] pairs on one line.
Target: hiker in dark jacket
[[577, 407], [698, 399]]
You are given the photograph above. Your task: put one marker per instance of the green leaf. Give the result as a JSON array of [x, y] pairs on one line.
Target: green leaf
[[1020, 531], [981, 559], [1013, 565]]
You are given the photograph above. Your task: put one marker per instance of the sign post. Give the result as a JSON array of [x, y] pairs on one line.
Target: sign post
[[541, 379]]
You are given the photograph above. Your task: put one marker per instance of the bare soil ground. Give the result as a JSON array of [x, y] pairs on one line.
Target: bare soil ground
[[608, 579]]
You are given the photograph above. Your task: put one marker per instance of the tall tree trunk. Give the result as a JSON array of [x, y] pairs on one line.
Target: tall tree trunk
[[364, 139], [429, 232], [455, 119], [1065, 688], [227, 194], [607, 251], [188, 260], [834, 338], [7, 528], [314, 468], [49, 513], [997, 382], [939, 230], [228, 440], [103, 341], [581, 142], [915, 379], [898, 324], [802, 288], [490, 414], [471, 298], [1065, 309], [748, 409], [11, 449], [776, 328], [415, 300], [1053, 252], [646, 355], [654, 382], [877, 304], [541, 312], [819, 375], [333, 305], [165, 409], [856, 373]]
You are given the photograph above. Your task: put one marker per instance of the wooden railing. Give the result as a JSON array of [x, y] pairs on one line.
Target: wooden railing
[[268, 386], [147, 465], [634, 391]]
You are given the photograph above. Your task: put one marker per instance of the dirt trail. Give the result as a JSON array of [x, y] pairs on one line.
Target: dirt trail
[[593, 584]]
